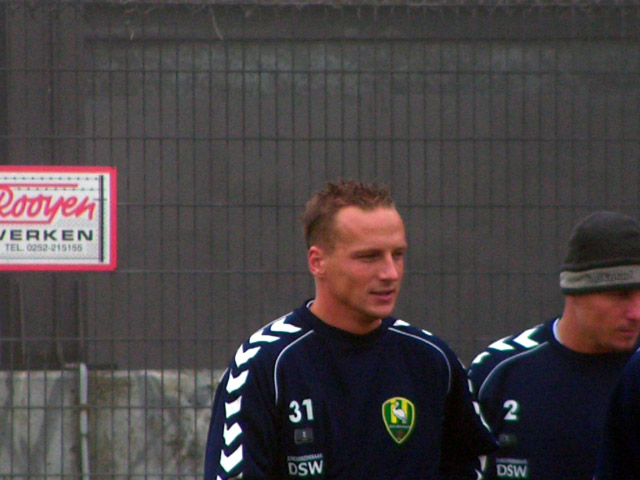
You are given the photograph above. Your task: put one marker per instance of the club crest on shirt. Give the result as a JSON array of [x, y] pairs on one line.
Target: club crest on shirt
[[399, 416]]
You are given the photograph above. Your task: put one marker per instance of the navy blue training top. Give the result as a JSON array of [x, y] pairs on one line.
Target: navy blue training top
[[304, 399], [620, 453], [545, 404]]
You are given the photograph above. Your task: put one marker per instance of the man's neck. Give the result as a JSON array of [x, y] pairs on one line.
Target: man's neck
[[343, 319]]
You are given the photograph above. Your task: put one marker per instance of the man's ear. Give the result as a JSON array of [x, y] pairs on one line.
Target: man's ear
[[315, 260]]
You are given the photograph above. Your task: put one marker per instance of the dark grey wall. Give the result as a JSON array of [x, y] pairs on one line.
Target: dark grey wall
[[497, 128]]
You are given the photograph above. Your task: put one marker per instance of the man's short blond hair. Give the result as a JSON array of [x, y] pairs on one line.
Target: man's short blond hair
[[322, 207]]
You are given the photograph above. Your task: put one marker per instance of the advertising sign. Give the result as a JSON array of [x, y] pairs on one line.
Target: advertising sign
[[57, 218]]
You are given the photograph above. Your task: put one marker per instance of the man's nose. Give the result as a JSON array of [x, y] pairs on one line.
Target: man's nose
[[391, 268]]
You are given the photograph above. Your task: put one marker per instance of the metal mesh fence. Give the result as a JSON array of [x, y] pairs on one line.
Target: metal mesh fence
[[496, 124]]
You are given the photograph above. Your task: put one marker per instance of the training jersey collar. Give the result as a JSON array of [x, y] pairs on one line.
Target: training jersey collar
[[325, 329]]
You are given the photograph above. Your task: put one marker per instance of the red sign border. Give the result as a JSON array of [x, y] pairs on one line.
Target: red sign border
[[113, 210]]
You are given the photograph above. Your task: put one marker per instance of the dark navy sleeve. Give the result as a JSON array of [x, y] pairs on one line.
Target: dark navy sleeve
[[242, 433], [619, 454], [492, 412], [484, 379], [481, 374], [465, 435]]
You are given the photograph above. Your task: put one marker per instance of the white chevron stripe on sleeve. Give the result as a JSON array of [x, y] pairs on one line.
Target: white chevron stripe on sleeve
[[400, 323], [525, 340], [234, 383], [480, 358], [230, 434], [243, 356], [231, 408], [501, 345], [280, 326], [259, 337], [232, 461]]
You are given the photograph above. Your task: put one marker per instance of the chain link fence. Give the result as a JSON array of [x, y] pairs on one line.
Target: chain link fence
[[497, 124]]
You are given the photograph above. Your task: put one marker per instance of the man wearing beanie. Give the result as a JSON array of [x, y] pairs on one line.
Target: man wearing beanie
[[545, 391]]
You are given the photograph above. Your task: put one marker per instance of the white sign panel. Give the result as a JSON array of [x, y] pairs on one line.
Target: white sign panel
[[57, 218]]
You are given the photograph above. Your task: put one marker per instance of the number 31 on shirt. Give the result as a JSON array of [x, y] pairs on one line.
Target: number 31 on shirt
[[300, 410]]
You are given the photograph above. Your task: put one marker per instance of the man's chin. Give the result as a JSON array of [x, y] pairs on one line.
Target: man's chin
[[381, 312], [624, 347]]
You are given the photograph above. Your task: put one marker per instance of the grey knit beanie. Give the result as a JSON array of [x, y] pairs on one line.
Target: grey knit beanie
[[603, 254]]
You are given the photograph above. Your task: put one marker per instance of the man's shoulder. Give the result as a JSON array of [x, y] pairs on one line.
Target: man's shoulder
[[267, 343], [632, 368], [506, 349], [422, 338]]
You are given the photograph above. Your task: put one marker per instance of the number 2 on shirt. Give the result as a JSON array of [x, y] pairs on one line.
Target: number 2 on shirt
[[513, 408]]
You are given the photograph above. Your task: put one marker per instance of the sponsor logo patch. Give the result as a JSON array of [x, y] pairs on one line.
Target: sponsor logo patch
[[512, 468], [306, 465]]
